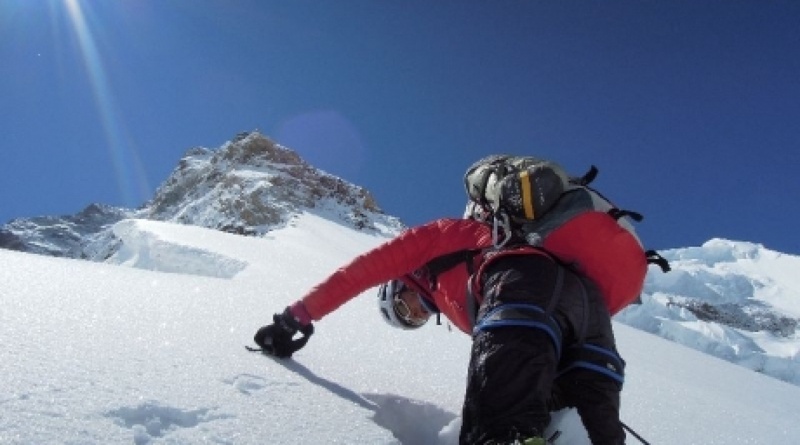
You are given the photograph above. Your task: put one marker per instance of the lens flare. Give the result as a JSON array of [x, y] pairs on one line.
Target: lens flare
[[131, 179]]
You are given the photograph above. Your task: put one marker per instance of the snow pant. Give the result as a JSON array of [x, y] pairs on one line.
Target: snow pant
[[542, 341]]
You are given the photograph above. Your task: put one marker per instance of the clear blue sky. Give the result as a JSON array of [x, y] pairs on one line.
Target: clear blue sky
[[691, 109]]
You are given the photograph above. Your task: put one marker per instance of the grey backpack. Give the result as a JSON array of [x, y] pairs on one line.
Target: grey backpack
[[534, 202]]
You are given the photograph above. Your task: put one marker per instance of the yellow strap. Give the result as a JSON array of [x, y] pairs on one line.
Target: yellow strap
[[527, 196]]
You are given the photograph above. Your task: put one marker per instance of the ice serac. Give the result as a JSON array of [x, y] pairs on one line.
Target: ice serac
[[732, 299]]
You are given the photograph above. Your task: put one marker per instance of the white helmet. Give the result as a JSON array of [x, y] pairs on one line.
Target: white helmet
[[392, 306]]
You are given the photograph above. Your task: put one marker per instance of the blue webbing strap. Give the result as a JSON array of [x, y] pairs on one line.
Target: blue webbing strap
[[594, 358], [524, 315]]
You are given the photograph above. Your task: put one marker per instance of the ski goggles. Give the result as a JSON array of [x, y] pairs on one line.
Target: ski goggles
[[405, 312]]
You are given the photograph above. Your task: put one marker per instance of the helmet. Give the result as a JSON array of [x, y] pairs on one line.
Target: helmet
[[391, 305]]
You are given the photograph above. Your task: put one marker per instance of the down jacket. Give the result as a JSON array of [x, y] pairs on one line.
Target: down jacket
[[401, 256]]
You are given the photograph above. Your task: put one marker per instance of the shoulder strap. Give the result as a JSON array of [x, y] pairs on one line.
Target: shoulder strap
[[654, 257], [619, 213], [443, 263], [588, 177], [448, 261]]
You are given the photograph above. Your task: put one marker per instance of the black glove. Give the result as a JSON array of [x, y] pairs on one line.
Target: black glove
[[276, 339]]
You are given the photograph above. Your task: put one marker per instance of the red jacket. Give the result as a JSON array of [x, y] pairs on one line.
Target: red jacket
[[408, 252]]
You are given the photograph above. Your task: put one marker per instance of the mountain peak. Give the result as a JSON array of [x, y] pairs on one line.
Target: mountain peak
[[254, 148], [250, 185]]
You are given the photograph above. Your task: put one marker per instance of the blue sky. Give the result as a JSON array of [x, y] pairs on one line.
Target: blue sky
[[691, 109]]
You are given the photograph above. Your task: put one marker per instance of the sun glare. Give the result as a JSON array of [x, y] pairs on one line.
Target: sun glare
[[131, 179]]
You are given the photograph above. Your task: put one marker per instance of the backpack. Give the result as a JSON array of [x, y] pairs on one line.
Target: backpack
[[534, 202]]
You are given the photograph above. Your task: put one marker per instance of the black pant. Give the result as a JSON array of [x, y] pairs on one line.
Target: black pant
[[532, 310]]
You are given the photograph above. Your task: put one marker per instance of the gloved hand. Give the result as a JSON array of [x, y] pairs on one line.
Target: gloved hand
[[276, 339]]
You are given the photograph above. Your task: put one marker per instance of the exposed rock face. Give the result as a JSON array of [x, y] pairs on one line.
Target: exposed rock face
[[62, 236], [249, 186], [252, 185]]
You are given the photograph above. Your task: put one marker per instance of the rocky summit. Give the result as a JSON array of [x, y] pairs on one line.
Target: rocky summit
[[249, 186]]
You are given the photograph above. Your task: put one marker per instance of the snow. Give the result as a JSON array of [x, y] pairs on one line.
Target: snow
[[753, 294], [148, 349]]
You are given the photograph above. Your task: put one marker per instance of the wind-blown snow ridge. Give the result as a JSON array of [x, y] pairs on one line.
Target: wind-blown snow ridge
[[145, 248]]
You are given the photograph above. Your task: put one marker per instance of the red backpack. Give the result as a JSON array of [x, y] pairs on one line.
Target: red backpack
[[534, 201]]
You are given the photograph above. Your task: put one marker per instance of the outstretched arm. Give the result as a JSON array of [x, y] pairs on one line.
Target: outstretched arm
[[400, 256]]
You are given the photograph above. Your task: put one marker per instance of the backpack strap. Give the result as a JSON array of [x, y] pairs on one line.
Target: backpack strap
[[593, 358], [522, 315], [587, 177], [620, 213], [437, 266], [654, 257], [442, 264], [527, 315], [471, 301]]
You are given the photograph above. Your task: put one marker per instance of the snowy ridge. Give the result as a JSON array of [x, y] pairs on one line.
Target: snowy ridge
[[143, 246], [249, 186], [64, 236], [735, 300]]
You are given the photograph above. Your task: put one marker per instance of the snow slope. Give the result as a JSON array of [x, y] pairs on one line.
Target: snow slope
[[153, 353]]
